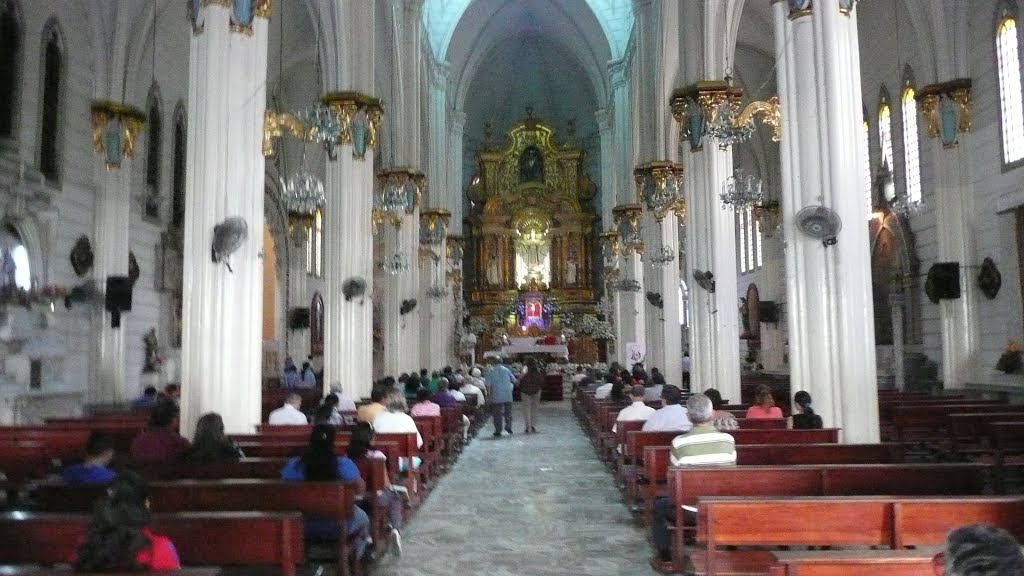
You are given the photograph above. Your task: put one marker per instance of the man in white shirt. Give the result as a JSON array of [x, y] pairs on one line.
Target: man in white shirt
[[686, 369], [469, 388], [637, 410], [289, 412], [603, 391], [578, 377], [454, 392], [394, 420], [345, 404], [672, 415]]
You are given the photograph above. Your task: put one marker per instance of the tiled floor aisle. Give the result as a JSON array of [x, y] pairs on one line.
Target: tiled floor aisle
[[526, 505]]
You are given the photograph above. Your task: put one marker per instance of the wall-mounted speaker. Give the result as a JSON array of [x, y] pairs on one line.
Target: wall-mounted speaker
[[943, 282], [768, 312], [118, 298]]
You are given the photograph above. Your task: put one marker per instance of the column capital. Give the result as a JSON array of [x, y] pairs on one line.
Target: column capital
[[629, 223], [114, 128], [458, 120], [659, 185], [240, 16], [801, 8], [946, 108], [360, 116], [439, 70], [604, 120], [399, 190], [434, 224], [618, 70]]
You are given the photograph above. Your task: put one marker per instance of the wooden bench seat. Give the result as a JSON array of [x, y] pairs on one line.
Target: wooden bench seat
[[849, 562], [203, 538], [931, 422], [37, 571]]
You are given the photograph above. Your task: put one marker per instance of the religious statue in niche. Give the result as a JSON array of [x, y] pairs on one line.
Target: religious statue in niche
[[493, 277], [152, 352], [531, 165], [570, 269]]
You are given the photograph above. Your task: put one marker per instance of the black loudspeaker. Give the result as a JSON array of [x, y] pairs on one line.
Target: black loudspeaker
[[119, 298], [768, 312], [299, 319], [943, 282]]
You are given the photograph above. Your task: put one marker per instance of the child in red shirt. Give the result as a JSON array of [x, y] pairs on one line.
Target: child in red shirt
[[119, 538]]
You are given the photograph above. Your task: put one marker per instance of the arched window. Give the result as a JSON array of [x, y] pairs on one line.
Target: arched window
[[153, 157], [49, 132], [748, 241], [10, 44], [911, 143], [865, 150], [315, 245], [684, 304], [178, 176], [1010, 96], [885, 131], [14, 262]]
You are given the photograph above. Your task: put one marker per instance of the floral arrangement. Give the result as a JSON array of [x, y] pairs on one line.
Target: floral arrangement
[[1010, 361], [590, 325], [477, 326], [45, 295]]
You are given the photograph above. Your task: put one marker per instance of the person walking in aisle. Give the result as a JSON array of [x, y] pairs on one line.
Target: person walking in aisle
[[500, 382], [530, 385]]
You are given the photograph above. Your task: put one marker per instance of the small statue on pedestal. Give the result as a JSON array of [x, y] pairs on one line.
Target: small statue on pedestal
[[152, 352]]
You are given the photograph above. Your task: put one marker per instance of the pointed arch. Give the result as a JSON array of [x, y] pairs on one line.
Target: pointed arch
[[51, 103], [885, 128], [1011, 98], [911, 138], [178, 167], [154, 156], [10, 56]]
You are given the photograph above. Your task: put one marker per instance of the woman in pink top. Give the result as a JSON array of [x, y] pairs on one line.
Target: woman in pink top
[[423, 405], [764, 405]]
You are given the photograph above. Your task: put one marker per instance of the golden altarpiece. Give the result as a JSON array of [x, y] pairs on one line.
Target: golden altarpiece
[[531, 237]]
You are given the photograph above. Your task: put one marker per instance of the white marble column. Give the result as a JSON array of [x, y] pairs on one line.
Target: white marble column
[[113, 215], [440, 349], [956, 219], [298, 293], [223, 309], [829, 303], [630, 305]]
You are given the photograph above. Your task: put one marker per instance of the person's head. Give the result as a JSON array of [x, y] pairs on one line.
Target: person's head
[[149, 392], [336, 387], [423, 373], [323, 414], [361, 441], [378, 393], [671, 395], [294, 400], [716, 398], [403, 377], [658, 378], [638, 392], [802, 399], [475, 372], [164, 415], [618, 393], [99, 448], [638, 368], [981, 550], [115, 534], [172, 391], [435, 375], [580, 369], [763, 397], [443, 384], [319, 461], [686, 354], [447, 371], [422, 395], [290, 368], [699, 409], [209, 430], [388, 381], [395, 402], [331, 400], [306, 366], [531, 364]]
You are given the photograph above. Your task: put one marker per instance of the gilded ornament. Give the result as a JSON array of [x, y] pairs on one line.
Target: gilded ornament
[[946, 109], [130, 122]]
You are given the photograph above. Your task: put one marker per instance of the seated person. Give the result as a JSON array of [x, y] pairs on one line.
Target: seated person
[[99, 451], [805, 418], [672, 415], [160, 442], [724, 420], [118, 538], [638, 410], [701, 446], [470, 388], [442, 397], [289, 413], [345, 404], [453, 389], [604, 390], [979, 550], [319, 463], [210, 444], [394, 420], [292, 378], [147, 400], [424, 406], [367, 412], [392, 499], [764, 404]]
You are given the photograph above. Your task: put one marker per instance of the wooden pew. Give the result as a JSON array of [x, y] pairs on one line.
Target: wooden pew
[[970, 433], [236, 538], [1008, 441], [859, 562], [931, 422], [828, 521], [762, 423], [687, 485]]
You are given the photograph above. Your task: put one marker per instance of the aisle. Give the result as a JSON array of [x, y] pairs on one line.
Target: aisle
[[526, 505]]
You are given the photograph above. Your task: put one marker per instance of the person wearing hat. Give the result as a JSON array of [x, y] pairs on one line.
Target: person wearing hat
[[637, 410], [672, 414]]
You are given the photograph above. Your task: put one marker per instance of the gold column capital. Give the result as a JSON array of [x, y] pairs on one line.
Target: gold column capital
[[114, 128], [360, 116], [653, 181], [946, 108]]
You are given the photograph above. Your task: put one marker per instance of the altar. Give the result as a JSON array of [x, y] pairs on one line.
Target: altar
[[530, 243]]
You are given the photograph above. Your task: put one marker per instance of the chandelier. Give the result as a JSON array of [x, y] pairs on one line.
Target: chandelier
[[741, 190], [322, 126], [455, 250], [302, 195], [399, 190], [434, 227], [395, 263], [714, 109], [659, 185], [437, 292], [627, 285], [662, 256]]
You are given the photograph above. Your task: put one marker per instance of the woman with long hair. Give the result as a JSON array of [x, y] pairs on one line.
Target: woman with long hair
[[119, 538], [319, 463], [764, 404], [210, 444], [723, 420], [805, 418], [530, 386], [391, 499]]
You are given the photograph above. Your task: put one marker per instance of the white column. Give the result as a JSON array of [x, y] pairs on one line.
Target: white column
[[630, 305], [401, 341], [113, 214], [829, 308], [608, 165], [223, 309], [298, 294], [444, 194]]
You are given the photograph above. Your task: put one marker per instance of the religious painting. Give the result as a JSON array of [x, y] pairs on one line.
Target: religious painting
[[531, 165]]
